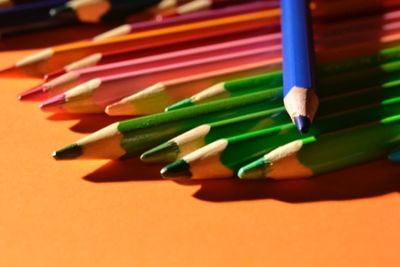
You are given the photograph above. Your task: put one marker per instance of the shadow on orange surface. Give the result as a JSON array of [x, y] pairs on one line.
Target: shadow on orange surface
[[368, 180], [125, 171], [87, 123]]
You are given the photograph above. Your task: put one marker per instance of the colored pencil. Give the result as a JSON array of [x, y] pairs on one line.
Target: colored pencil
[[395, 155], [157, 97], [179, 20], [362, 38], [359, 76], [109, 89], [94, 95], [300, 98], [372, 21], [98, 59], [336, 150], [101, 10], [224, 157], [199, 5], [74, 78], [27, 13], [131, 138], [162, 94], [205, 134], [55, 58]]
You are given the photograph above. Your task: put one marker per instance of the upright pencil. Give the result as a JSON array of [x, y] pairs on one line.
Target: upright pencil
[[335, 150], [300, 98]]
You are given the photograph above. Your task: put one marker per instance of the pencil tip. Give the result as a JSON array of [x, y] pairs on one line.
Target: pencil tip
[[254, 170], [176, 170], [302, 123], [35, 94], [166, 152], [69, 152], [53, 102], [181, 104]]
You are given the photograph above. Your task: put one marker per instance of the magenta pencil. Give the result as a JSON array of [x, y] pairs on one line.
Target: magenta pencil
[[94, 95], [132, 53], [73, 78]]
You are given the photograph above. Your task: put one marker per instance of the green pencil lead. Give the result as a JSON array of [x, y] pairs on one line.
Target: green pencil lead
[[181, 104], [176, 170], [254, 170], [167, 152], [68, 152]]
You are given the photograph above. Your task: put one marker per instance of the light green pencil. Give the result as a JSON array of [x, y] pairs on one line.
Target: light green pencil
[[317, 155]]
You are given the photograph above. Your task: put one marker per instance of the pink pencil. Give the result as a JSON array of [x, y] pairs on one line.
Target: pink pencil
[[73, 78], [94, 95]]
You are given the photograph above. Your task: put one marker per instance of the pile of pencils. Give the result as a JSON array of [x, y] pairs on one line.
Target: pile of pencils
[[250, 89]]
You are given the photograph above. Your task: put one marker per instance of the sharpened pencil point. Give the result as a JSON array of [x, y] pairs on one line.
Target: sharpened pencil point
[[69, 152], [181, 104], [177, 170], [53, 102], [167, 152], [395, 156], [35, 94], [254, 170], [302, 123]]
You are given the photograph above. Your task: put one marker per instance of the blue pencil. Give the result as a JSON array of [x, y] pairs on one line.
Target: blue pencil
[[395, 155], [300, 99]]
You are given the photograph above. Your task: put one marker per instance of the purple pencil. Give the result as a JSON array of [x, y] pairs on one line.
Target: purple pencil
[[191, 17]]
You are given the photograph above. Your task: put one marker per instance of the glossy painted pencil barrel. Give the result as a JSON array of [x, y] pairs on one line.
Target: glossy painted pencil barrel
[[335, 151], [300, 99]]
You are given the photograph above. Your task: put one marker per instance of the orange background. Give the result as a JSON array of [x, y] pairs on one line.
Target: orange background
[[99, 213]]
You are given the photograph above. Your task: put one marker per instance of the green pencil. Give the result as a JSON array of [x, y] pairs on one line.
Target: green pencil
[[205, 134], [328, 77], [224, 157], [317, 155], [132, 137]]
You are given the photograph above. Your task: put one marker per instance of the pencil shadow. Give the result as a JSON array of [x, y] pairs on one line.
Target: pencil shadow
[[52, 36], [87, 123], [125, 171], [368, 180]]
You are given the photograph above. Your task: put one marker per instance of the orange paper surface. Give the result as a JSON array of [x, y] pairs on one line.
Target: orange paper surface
[[99, 213]]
